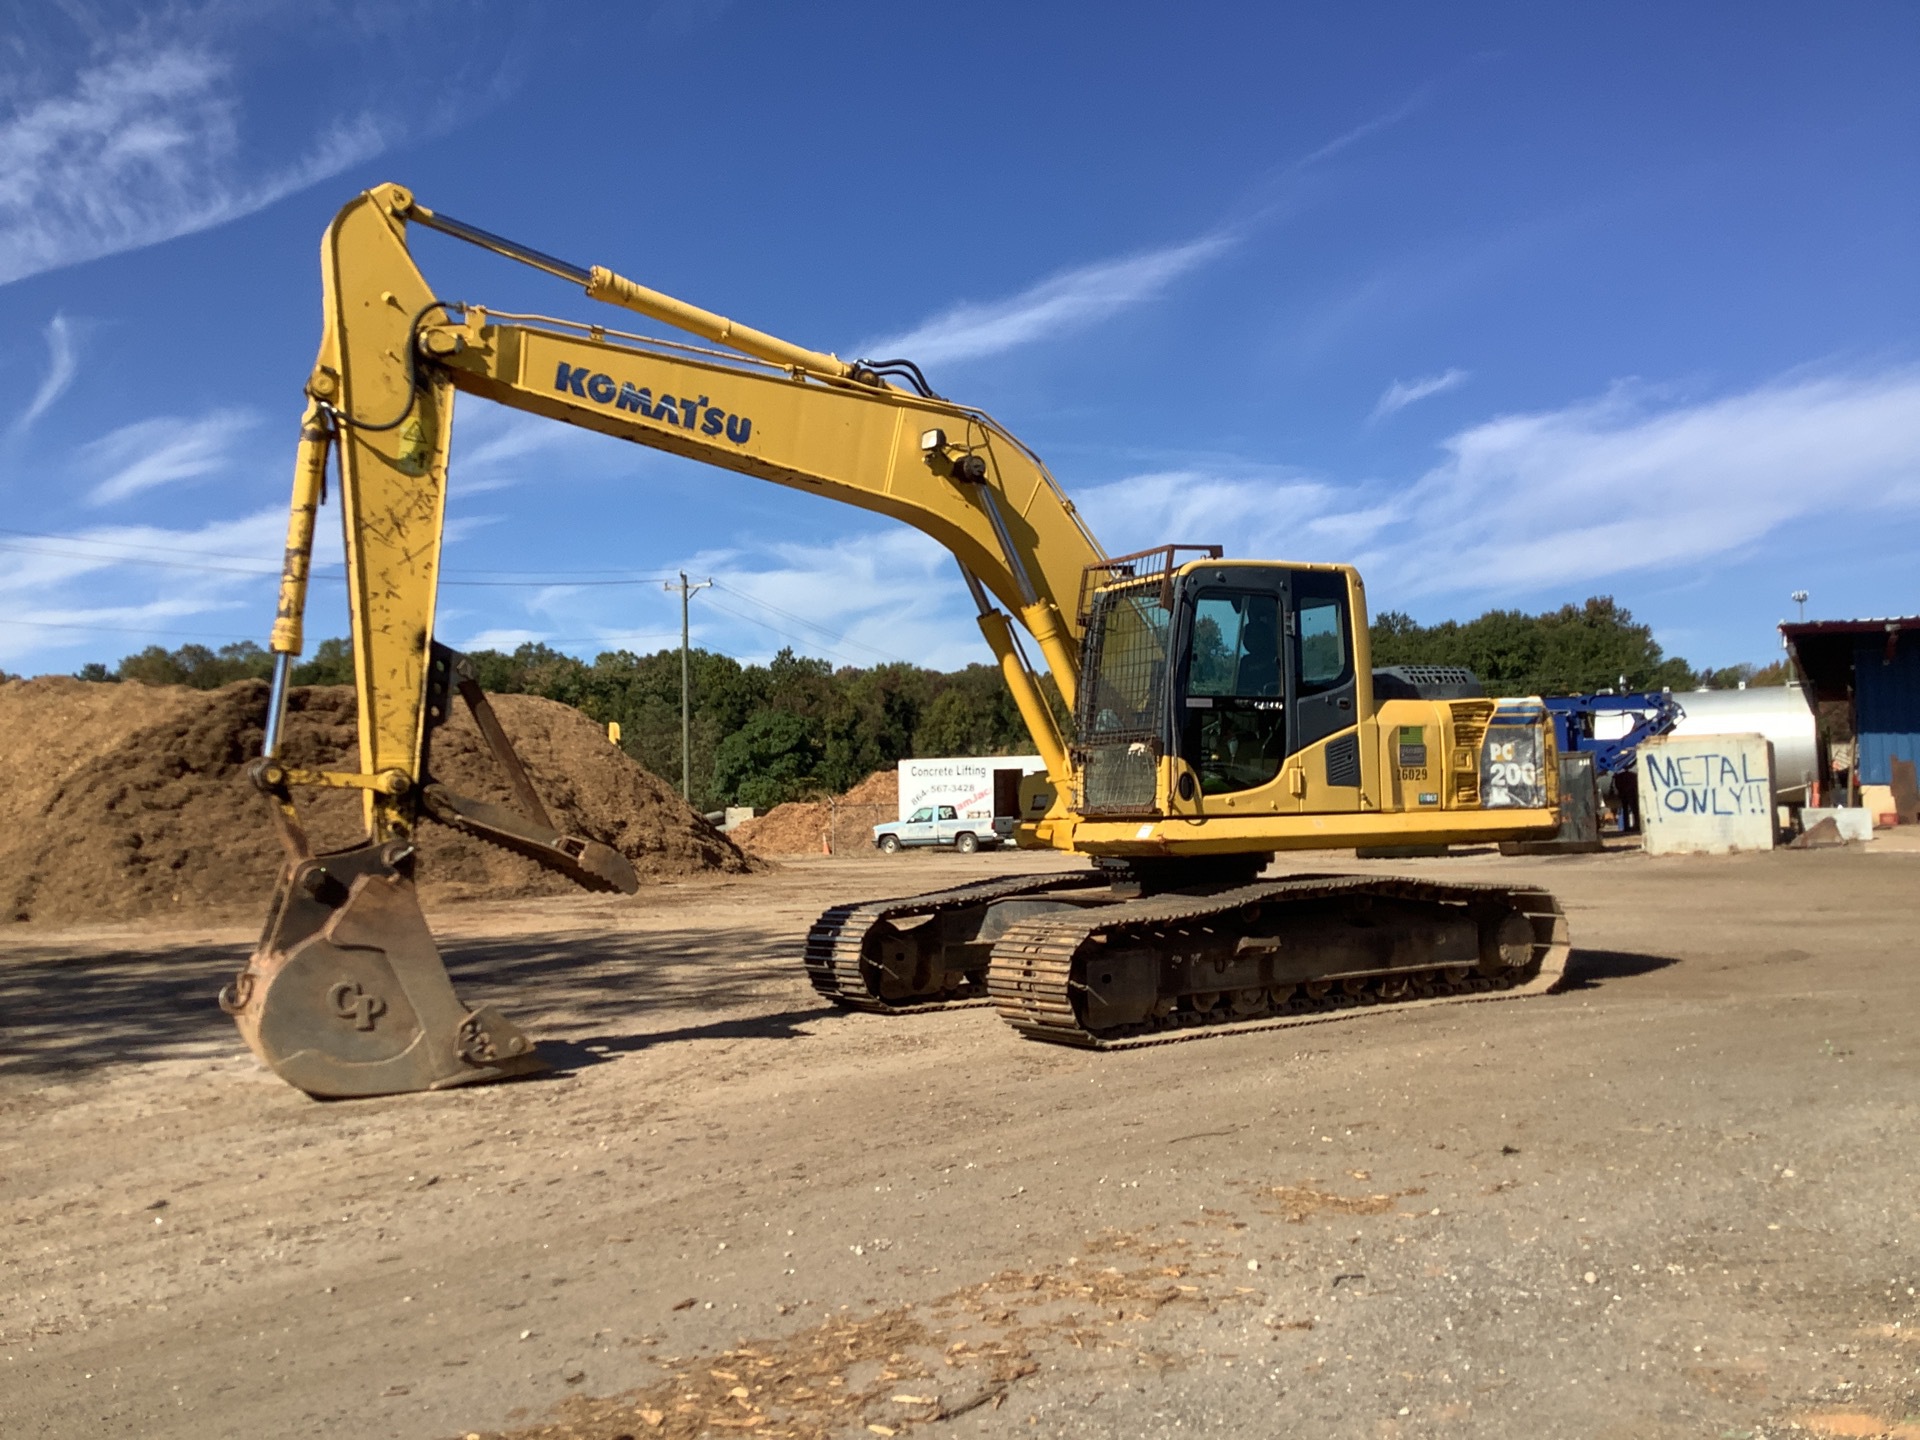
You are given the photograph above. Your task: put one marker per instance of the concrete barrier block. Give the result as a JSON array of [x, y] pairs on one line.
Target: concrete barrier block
[[1854, 822], [1706, 794]]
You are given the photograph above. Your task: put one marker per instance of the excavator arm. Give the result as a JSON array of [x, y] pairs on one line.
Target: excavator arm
[[346, 941], [393, 356]]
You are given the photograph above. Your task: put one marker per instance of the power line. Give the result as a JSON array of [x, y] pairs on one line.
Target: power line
[[232, 638], [810, 642], [802, 620], [122, 629], [132, 560], [559, 582], [565, 579], [537, 582], [124, 544]]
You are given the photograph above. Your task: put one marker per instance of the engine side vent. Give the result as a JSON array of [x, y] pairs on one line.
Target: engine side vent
[[1470, 721], [1426, 682], [1343, 760]]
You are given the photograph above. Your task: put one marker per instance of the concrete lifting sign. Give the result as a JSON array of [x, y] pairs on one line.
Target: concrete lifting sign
[[1706, 794]]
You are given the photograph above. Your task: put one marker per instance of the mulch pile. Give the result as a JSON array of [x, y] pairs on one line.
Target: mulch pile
[[122, 802], [802, 827]]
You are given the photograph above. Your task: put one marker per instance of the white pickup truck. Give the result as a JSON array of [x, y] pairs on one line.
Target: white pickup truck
[[942, 825]]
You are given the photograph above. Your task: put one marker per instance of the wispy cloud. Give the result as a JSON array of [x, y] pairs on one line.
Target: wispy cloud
[[508, 639], [864, 599], [161, 451], [1087, 294], [107, 590], [1510, 513], [63, 362], [1402, 393], [1065, 302], [1512, 510], [1260, 511], [680, 18], [140, 148], [1245, 508], [1366, 128]]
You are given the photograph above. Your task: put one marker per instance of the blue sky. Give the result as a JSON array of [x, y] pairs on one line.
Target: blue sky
[[1510, 305]]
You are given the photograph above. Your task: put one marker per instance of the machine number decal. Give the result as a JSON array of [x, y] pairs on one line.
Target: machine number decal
[[1413, 749], [1510, 768]]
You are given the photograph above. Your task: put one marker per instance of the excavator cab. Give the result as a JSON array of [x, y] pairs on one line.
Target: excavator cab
[[1207, 680]]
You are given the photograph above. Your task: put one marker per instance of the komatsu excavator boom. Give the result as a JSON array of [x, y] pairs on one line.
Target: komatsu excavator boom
[[1223, 709]]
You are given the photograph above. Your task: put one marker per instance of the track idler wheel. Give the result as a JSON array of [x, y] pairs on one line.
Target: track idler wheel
[[1506, 943], [346, 994]]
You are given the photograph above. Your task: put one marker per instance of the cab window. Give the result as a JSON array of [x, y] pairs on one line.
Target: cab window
[[1236, 646], [947, 812], [1323, 644], [1234, 731], [921, 815], [1320, 623]]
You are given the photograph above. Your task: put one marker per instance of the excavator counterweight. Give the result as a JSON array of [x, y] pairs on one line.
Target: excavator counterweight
[[1223, 710]]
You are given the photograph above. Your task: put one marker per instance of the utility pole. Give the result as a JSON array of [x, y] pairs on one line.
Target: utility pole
[[688, 589]]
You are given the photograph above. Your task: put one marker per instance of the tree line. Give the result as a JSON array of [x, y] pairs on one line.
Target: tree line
[[797, 726], [760, 734], [1575, 650]]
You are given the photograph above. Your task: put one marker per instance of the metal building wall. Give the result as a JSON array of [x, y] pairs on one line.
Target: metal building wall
[[1886, 705]]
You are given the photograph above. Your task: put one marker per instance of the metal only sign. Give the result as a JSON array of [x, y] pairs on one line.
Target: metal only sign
[[1706, 794]]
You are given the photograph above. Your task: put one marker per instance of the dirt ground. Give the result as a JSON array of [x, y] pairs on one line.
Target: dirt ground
[[1676, 1198]]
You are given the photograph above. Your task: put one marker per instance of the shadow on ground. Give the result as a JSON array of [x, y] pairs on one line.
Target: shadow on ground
[[585, 1050], [1589, 969], [68, 1008], [587, 995]]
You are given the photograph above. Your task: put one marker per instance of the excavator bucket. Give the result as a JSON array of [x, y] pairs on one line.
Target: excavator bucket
[[346, 994]]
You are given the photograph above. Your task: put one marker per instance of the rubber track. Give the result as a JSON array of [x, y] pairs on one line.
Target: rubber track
[[838, 938], [1031, 978]]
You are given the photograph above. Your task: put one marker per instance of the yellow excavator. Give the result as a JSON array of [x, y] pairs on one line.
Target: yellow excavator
[[1222, 710]]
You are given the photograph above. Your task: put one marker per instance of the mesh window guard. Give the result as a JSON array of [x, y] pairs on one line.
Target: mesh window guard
[[1123, 698]]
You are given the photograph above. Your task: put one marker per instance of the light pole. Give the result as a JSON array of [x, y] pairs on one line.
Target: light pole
[[1800, 599], [688, 589]]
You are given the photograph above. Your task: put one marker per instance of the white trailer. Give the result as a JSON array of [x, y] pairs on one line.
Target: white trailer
[[978, 787]]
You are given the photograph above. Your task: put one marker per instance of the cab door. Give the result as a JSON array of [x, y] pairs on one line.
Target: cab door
[[1233, 699], [1322, 690]]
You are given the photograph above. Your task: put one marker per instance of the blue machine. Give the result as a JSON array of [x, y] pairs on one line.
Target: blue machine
[[1654, 713]]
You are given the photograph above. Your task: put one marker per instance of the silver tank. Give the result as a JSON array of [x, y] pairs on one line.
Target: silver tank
[[1779, 712]]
